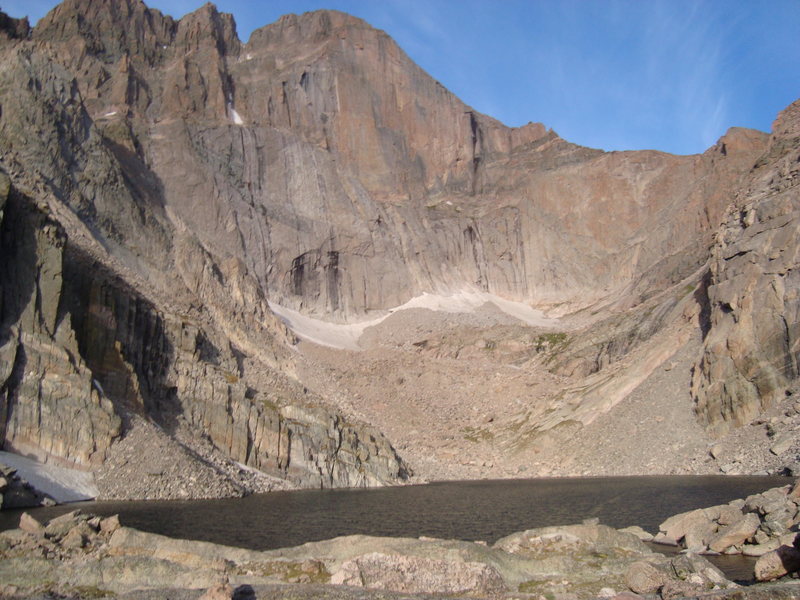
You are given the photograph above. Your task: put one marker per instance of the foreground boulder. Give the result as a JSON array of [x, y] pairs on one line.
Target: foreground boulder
[[80, 556], [420, 575], [777, 563]]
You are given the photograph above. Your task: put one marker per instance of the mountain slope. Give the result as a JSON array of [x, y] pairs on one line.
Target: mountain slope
[[169, 184]]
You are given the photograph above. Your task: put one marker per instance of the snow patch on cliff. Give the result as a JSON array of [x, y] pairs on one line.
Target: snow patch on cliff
[[346, 336], [335, 335], [235, 116], [60, 483]]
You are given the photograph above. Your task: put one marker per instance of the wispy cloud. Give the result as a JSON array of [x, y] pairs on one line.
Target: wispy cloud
[[684, 54]]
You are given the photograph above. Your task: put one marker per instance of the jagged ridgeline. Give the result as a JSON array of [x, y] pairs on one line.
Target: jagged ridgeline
[[162, 180]]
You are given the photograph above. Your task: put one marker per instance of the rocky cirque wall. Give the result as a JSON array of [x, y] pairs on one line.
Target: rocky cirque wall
[[81, 349], [50, 406], [348, 180], [108, 309], [751, 352], [167, 179]]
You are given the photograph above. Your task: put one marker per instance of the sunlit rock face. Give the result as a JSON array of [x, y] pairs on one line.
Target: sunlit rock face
[[751, 352], [111, 303], [347, 180], [167, 181]]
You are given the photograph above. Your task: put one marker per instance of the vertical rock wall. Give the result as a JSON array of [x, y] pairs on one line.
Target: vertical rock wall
[[50, 405], [80, 347], [752, 350], [176, 177]]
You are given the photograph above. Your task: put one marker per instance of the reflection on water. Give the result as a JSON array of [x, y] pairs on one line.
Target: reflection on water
[[467, 510]]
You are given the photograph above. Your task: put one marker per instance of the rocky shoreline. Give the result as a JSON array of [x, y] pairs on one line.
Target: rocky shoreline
[[752, 526], [83, 556]]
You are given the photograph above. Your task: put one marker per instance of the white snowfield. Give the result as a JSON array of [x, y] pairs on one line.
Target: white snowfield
[[346, 336], [61, 484], [236, 118], [336, 335]]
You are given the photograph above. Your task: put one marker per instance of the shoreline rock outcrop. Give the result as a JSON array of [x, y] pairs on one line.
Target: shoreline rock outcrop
[[763, 525], [77, 552]]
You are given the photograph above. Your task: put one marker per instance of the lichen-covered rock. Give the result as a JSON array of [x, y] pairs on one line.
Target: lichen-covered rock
[[127, 561], [644, 578], [419, 575]]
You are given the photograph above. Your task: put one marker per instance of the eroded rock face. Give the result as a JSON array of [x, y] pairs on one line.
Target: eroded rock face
[[751, 351], [411, 188], [110, 305], [92, 347], [51, 407], [190, 177]]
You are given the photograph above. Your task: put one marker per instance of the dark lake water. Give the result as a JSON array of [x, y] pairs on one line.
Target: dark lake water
[[467, 510]]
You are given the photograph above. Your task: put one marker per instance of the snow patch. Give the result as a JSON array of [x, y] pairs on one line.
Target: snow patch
[[335, 335], [465, 302], [62, 484], [235, 117], [346, 335]]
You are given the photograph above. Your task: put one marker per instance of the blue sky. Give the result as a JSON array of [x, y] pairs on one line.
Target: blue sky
[[614, 74]]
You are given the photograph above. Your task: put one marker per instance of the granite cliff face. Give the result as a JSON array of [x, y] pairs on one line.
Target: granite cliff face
[[413, 191], [110, 308], [750, 356], [164, 182], [82, 349]]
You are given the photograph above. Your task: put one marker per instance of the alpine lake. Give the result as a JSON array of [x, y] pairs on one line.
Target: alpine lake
[[468, 510]]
